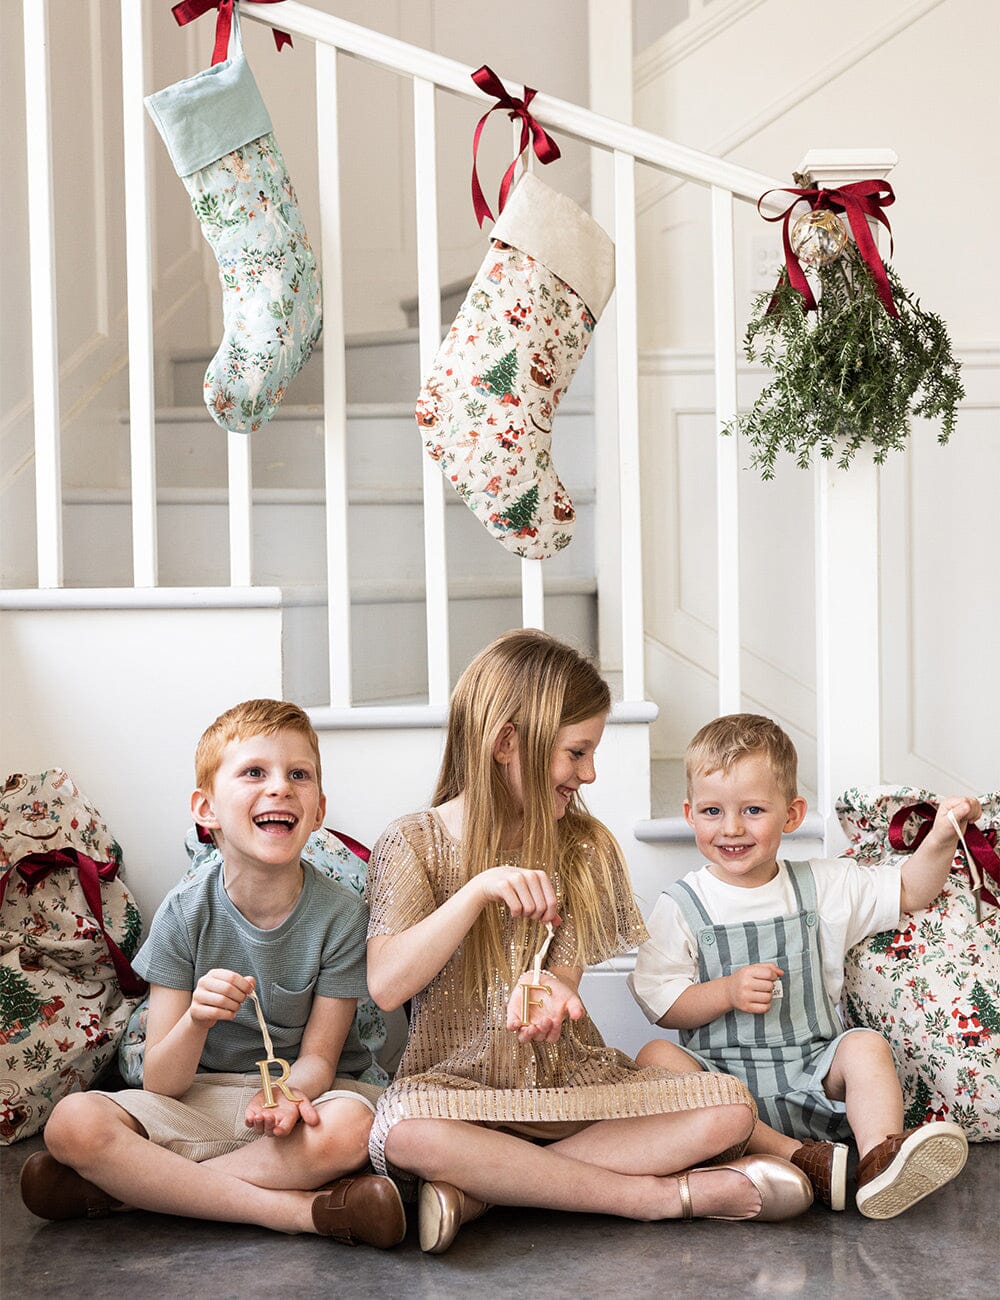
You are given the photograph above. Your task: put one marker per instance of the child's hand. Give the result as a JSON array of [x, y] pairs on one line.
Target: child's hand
[[219, 995], [525, 892], [751, 988], [963, 808], [278, 1121], [546, 1018]]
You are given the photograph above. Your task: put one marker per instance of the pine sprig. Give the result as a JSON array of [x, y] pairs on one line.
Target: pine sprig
[[848, 374]]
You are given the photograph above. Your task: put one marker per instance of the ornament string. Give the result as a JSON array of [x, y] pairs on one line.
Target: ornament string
[[188, 10], [535, 985], [979, 847], [858, 201], [267, 1083], [546, 149]]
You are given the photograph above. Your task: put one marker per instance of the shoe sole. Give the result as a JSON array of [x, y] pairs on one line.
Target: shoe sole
[[929, 1163], [430, 1219], [838, 1177]]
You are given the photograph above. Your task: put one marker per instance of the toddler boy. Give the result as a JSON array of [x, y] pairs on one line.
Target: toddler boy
[[746, 959], [199, 1138]]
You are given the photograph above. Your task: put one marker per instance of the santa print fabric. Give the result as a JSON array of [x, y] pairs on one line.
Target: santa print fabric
[[932, 986], [68, 929], [485, 411], [218, 134]]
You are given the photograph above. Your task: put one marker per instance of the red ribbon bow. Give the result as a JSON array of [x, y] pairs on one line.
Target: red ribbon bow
[[859, 200], [982, 844], [546, 149], [188, 10], [36, 866]]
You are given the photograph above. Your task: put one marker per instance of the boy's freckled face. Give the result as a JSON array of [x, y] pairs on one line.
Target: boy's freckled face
[[739, 818], [265, 800]]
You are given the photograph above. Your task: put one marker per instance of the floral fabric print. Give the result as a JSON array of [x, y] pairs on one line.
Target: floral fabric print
[[62, 1010], [486, 409], [271, 296], [932, 986]]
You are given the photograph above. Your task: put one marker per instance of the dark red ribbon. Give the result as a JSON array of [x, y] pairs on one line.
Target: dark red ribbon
[[36, 866], [546, 149], [188, 10], [859, 200], [982, 844]]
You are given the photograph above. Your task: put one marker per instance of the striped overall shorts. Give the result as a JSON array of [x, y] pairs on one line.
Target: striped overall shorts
[[783, 1055]]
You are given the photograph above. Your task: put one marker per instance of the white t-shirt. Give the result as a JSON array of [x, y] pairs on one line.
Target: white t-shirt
[[852, 902]]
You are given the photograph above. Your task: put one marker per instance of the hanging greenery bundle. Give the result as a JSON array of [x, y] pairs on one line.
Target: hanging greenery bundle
[[852, 372]]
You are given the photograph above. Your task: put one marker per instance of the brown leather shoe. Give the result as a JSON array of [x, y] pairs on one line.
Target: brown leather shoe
[[908, 1166], [442, 1209], [367, 1208], [825, 1165], [55, 1191]]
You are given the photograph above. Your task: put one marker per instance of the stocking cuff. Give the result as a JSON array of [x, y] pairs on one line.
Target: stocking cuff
[[209, 115], [556, 232]]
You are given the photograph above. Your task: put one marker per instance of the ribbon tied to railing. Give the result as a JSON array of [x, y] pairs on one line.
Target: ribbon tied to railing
[[859, 200], [546, 149], [188, 10], [982, 859], [36, 866]]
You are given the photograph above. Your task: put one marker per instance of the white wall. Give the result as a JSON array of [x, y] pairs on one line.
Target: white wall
[[920, 78], [119, 697]]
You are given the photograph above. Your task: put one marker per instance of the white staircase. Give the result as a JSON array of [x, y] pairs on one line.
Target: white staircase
[[385, 523]]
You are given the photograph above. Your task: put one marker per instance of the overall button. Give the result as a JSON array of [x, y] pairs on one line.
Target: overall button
[[707, 938], [811, 918]]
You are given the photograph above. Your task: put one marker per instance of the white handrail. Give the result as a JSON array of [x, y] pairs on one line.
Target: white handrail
[[571, 119], [42, 272]]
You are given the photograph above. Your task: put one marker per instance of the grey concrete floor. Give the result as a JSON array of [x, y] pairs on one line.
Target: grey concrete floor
[[947, 1246]]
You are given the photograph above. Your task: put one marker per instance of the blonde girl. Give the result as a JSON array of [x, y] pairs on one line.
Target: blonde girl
[[488, 1109]]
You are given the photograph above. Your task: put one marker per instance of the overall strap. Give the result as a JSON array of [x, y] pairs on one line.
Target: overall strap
[[804, 885], [692, 908]]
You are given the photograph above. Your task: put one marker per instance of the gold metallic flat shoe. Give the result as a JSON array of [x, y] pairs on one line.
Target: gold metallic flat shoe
[[441, 1211], [784, 1190]]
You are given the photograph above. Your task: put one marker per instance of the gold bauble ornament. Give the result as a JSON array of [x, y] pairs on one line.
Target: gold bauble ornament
[[818, 237]]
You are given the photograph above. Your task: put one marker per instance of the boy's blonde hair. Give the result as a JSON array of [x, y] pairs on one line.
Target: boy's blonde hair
[[541, 685], [242, 722], [720, 744]]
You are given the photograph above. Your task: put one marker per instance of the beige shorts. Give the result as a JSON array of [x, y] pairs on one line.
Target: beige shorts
[[209, 1119]]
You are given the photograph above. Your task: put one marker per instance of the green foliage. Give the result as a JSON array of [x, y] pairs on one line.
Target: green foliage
[[847, 374]]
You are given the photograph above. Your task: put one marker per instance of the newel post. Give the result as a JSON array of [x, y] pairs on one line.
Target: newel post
[[848, 606]]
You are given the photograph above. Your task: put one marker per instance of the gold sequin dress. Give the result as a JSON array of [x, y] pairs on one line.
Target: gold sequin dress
[[461, 1061]]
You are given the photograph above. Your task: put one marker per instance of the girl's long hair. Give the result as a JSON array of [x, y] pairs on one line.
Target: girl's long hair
[[540, 685]]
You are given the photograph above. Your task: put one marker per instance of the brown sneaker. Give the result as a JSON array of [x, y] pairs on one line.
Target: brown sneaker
[[825, 1165], [908, 1166], [366, 1208], [55, 1191]]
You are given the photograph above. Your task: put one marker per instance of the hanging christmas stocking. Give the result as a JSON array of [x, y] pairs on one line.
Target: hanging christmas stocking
[[218, 134], [486, 408]]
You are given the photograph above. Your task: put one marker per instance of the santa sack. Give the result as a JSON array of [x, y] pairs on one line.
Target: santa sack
[[68, 927], [932, 987]]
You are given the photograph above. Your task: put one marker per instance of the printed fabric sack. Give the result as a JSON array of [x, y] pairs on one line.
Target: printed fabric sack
[[334, 854], [68, 927], [932, 987]]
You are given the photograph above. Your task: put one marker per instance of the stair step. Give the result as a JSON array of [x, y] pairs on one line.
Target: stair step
[[383, 447], [385, 540], [378, 368]]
